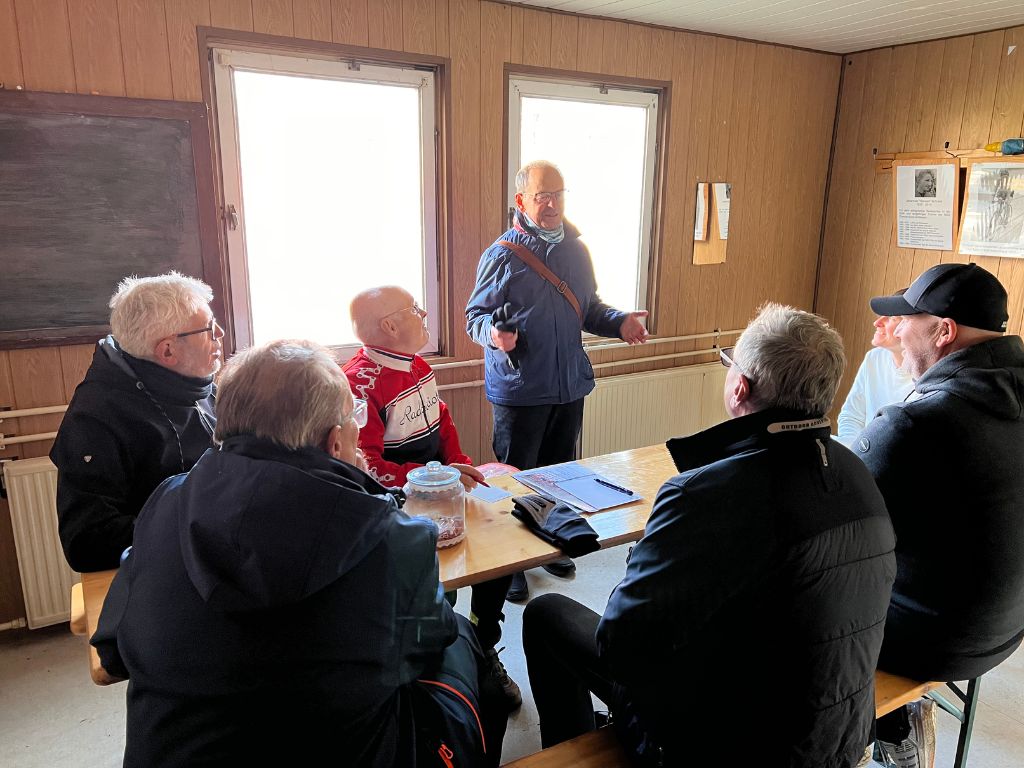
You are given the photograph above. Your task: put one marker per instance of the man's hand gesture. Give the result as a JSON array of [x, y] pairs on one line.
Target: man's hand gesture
[[632, 329]]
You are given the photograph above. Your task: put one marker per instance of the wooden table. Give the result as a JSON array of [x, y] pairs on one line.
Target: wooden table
[[496, 544]]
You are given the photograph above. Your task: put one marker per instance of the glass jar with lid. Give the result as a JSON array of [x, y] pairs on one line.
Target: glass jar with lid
[[436, 492]]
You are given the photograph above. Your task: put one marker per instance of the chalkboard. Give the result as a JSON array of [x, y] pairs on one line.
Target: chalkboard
[[93, 189]]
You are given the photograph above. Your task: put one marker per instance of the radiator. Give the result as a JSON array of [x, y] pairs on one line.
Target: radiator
[[46, 578], [641, 409]]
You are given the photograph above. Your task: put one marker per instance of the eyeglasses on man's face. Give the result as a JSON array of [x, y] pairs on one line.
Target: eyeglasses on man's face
[[358, 413], [415, 309], [214, 329], [726, 355], [543, 198]]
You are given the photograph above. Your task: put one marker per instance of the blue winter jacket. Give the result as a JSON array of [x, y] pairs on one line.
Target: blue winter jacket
[[553, 368]]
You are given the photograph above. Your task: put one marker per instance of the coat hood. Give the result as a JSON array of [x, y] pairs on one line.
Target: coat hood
[[262, 526], [989, 375]]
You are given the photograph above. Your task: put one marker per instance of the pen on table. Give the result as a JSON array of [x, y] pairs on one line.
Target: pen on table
[[614, 487]]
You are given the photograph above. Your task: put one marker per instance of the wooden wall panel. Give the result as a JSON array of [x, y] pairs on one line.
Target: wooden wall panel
[[96, 44], [10, 49], [756, 115], [312, 19], [45, 38], [349, 19], [966, 91], [418, 33], [273, 17], [230, 14], [144, 43], [183, 17]]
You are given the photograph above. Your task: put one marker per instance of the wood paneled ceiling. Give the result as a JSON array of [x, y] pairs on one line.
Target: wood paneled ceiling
[[840, 26]]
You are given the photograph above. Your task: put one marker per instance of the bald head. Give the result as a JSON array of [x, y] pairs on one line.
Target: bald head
[[387, 316]]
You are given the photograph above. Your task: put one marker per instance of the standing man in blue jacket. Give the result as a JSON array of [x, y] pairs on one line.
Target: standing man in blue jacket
[[536, 370]]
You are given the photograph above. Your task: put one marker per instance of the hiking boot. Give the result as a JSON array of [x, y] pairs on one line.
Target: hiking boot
[[518, 590], [564, 567], [498, 684]]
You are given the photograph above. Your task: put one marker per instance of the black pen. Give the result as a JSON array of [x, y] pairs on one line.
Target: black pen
[[618, 488]]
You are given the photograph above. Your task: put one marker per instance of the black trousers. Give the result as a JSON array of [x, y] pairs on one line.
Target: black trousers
[[530, 436], [559, 637]]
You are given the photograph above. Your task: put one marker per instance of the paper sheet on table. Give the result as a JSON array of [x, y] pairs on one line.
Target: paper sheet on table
[[598, 496], [490, 494], [553, 482]]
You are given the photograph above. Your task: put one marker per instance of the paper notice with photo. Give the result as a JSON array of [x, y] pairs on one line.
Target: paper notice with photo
[[489, 494], [925, 202]]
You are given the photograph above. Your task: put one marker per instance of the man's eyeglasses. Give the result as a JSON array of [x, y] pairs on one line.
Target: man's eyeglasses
[[358, 414], [213, 329], [415, 309], [546, 197], [728, 360]]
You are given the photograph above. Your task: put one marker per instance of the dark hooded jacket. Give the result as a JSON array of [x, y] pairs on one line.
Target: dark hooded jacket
[[130, 425], [950, 463], [274, 608], [765, 566]]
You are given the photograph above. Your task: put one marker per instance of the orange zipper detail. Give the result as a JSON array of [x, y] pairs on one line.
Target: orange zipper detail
[[446, 754], [483, 741]]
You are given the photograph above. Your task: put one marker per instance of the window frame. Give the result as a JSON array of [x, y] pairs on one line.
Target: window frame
[[591, 88], [426, 73]]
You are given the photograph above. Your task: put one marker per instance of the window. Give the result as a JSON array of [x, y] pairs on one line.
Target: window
[[330, 188], [604, 140]]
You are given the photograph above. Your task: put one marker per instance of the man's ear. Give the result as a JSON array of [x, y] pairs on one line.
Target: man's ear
[[946, 333], [389, 327], [164, 353], [739, 394], [333, 444], [519, 201]]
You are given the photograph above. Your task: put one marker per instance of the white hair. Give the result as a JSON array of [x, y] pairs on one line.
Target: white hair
[[793, 359], [291, 392], [523, 174], [147, 309]]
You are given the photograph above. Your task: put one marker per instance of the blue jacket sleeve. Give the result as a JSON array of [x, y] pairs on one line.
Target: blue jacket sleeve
[[488, 294]]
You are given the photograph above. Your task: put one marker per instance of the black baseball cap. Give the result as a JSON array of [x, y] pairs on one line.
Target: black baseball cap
[[962, 292]]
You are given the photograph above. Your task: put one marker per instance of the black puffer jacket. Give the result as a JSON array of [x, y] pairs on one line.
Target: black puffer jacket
[[951, 467], [274, 609], [130, 425], [747, 627]]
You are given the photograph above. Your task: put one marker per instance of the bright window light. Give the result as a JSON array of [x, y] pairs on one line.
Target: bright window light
[[604, 145], [335, 177]]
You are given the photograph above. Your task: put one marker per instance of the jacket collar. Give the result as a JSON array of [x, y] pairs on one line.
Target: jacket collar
[[170, 386], [522, 227], [744, 433], [309, 459], [389, 358]]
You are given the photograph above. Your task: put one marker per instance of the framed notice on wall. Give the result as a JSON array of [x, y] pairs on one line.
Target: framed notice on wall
[[993, 214], [926, 194]]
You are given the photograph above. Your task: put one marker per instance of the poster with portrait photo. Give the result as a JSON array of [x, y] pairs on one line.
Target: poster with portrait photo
[[993, 217], [926, 201]]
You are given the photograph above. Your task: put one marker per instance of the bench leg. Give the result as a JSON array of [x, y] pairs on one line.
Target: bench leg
[[964, 715]]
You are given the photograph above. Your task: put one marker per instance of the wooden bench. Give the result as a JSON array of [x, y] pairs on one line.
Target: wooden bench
[[600, 749]]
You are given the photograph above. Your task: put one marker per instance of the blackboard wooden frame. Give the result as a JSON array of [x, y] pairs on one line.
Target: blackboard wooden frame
[[195, 116]]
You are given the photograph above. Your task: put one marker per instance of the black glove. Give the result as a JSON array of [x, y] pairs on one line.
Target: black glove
[[556, 523], [501, 319]]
